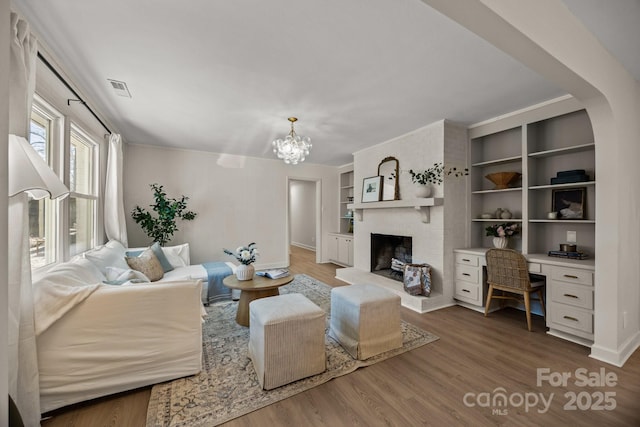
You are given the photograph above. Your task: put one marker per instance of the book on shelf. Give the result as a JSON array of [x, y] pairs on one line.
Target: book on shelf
[[570, 255], [274, 274]]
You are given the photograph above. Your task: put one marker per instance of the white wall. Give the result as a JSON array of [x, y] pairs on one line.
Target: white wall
[[235, 205], [302, 213], [4, 131]]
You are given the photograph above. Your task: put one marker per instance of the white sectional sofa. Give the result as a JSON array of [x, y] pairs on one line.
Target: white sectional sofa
[[95, 339]]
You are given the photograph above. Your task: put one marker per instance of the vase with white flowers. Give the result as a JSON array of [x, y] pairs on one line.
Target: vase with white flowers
[[433, 175], [502, 232], [246, 255]]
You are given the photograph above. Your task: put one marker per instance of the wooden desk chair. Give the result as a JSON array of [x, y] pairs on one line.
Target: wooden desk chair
[[507, 271]]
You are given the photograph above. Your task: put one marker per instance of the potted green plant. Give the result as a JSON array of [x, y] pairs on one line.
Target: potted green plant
[[168, 210], [433, 175]]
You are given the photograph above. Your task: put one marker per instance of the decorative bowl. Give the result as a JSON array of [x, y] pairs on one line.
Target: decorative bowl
[[486, 216], [503, 179]]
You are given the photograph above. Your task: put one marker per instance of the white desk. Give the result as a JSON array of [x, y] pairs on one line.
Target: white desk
[[569, 290]]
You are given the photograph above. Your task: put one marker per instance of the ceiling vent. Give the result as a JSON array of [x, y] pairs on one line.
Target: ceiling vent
[[120, 88]]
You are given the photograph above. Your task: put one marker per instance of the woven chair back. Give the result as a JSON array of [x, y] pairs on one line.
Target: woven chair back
[[507, 268]]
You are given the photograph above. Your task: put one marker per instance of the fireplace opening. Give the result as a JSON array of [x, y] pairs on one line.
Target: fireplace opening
[[385, 248]]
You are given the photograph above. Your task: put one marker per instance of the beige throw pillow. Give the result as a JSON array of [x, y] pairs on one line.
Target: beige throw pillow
[[148, 264]]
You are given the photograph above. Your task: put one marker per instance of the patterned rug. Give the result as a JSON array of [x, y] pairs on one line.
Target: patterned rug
[[228, 386]]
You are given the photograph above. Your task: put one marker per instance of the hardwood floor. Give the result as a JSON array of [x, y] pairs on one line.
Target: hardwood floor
[[475, 359]]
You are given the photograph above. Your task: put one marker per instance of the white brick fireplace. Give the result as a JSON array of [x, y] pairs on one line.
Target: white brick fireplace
[[432, 242]]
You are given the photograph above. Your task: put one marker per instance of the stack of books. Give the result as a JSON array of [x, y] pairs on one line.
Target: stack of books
[[274, 274], [570, 255]]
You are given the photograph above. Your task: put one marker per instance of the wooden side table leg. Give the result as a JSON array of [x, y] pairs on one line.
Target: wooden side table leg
[[242, 315]]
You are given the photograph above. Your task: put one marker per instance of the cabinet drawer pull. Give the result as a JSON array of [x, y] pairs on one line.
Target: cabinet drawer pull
[[466, 260], [570, 276], [466, 274], [571, 296], [466, 290], [570, 318]]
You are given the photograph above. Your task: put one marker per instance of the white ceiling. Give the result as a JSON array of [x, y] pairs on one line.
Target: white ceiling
[[223, 76]]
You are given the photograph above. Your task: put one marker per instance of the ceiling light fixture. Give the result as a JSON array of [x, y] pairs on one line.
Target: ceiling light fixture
[[294, 148]]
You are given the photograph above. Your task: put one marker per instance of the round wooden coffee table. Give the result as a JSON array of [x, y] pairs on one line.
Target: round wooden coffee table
[[258, 287]]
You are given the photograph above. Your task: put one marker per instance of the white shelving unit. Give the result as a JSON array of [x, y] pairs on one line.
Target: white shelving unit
[[537, 143], [346, 197]]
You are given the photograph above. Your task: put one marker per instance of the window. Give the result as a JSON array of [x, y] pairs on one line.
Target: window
[[65, 227], [83, 196], [43, 214]]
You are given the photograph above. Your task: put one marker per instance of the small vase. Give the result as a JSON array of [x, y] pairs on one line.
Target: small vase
[[423, 190], [245, 272], [500, 242]]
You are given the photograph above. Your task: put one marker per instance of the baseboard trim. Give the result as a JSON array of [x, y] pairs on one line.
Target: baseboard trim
[[617, 357], [303, 246]]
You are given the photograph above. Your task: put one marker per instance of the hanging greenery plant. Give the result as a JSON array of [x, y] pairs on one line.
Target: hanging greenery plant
[[162, 226]]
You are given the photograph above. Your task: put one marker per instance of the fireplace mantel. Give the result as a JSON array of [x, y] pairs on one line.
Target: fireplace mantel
[[421, 205]]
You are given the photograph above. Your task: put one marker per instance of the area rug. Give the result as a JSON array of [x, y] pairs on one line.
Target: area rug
[[228, 386]]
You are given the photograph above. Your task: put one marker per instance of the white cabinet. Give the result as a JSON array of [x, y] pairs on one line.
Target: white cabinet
[[570, 301], [341, 249], [469, 279]]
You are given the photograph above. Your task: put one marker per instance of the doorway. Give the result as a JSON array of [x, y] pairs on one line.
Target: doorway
[[304, 215]]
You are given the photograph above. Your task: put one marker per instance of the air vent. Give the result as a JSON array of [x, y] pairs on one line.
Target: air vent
[[120, 88]]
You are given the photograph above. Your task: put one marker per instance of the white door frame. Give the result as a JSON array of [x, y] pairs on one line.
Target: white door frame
[[318, 182]]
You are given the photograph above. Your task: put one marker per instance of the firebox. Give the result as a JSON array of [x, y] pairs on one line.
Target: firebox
[[385, 248]]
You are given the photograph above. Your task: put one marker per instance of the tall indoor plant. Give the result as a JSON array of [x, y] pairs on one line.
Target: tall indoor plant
[[168, 210]]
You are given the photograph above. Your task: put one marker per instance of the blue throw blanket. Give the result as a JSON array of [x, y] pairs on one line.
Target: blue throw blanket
[[216, 272]]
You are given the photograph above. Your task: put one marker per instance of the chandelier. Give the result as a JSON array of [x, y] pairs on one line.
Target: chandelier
[[294, 148]]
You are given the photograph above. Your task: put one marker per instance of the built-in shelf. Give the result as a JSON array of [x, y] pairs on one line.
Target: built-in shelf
[[497, 191], [346, 187], [566, 221], [564, 150], [568, 185], [497, 219], [421, 205], [497, 162]]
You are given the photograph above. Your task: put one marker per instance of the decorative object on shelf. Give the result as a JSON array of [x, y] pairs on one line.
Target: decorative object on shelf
[[498, 213], [552, 215], [569, 203], [568, 247], [161, 228], [350, 199], [388, 169], [506, 214], [246, 255], [486, 216], [500, 242], [502, 232], [501, 180], [294, 148], [567, 177], [371, 189], [433, 175]]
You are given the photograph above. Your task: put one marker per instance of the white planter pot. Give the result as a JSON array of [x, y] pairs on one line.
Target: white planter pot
[[423, 190], [500, 242], [245, 272]]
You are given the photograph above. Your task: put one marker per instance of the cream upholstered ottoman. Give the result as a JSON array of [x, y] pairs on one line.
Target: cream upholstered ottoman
[[286, 339], [365, 319]]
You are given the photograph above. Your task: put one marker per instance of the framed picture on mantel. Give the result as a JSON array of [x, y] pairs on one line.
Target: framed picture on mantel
[[371, 189]]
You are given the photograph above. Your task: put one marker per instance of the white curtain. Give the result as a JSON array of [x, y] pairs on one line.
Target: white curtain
[[114, 220], [23, 361]]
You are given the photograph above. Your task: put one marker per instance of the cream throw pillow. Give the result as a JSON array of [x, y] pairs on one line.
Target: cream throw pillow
[[148, 264]]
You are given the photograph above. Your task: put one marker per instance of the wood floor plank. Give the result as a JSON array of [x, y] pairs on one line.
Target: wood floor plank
[[425, 386]]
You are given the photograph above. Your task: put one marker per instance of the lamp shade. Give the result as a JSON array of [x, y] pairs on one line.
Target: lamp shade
[[28, 172]]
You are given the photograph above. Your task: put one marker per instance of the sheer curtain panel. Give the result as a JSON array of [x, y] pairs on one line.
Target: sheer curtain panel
[[115, 225]]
